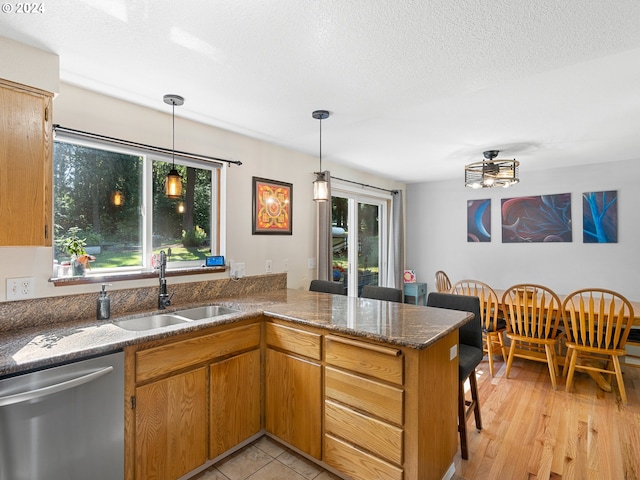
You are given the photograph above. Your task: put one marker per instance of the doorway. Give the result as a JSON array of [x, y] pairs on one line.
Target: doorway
[[359, 233]]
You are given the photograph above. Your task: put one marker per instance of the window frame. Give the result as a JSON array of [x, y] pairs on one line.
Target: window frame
[[217, 205]]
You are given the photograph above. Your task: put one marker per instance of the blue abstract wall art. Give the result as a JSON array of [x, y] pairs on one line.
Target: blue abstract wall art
[[542, 218], [479, 220], [600, 217]]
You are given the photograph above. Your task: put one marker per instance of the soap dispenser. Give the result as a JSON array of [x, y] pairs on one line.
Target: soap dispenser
[[104, 304]]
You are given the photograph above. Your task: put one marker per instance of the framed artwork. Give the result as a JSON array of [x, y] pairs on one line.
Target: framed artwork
[[600, 217], [409, 276], [540, 218], [479, 220], [272, 207]]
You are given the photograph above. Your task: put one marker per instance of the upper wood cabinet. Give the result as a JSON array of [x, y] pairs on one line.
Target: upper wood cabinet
[[26, 174]]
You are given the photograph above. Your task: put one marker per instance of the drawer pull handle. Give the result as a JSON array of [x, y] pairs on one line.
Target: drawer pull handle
[[368, 346]]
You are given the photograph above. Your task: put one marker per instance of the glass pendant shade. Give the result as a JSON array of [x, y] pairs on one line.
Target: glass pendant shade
[[117, 199], [320, 185], [173, 181], [173, 184], [320, 188]]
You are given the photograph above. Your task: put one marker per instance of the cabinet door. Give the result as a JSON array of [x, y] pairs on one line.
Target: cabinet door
[[293, 401], [25, 166], [234, 401], [171, 426]]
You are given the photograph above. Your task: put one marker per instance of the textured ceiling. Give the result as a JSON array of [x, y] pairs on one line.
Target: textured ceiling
[[416, 89]]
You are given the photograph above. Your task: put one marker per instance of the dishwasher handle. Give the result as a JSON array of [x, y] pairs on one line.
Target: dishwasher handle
[[51, 389]]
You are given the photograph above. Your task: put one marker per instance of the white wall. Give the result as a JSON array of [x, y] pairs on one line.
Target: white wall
[[437, 233], [84, 110], [28, 65]]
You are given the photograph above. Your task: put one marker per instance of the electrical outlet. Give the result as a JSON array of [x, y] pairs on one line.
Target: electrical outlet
[[19, 288], [453, 352], [236, 269], [269, 266], [285, 265]]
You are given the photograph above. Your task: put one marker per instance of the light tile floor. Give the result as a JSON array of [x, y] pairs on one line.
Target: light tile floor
[[265, 459]]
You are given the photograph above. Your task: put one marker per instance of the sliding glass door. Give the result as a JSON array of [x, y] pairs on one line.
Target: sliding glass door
[[359, 239]]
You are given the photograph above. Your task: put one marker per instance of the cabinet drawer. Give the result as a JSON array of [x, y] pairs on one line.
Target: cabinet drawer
[[376, 361], [377, 437], [174, 356], [380, 400], [356, 463], [294, 340]]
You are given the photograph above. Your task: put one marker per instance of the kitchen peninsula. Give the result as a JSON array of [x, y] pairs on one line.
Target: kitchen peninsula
[[367, 388]]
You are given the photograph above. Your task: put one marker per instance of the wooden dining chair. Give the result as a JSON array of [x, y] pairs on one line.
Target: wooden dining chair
[[533, 316], [599, 324], [493, 324], [469, 357], [443, 284]]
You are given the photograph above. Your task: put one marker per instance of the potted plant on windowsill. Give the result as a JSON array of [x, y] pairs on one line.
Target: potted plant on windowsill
[[75, 246]]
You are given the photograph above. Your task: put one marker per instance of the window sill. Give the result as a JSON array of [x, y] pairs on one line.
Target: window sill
[[119, 277]]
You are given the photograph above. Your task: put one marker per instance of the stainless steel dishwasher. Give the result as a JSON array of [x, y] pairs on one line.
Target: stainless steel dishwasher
[[64, 422]]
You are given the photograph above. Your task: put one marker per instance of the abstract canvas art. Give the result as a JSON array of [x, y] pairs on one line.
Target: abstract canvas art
[[479, 220], [272, 206], [600, 217], [541, 218]]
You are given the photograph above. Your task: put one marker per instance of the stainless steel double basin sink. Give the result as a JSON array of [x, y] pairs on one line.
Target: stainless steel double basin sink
[[161, 320]]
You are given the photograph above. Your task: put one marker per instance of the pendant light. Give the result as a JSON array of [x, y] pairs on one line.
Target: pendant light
[[173, 181], [117, 198], [320, 185]]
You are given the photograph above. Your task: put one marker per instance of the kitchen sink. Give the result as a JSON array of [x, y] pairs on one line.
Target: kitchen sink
[[149, 323], [210, 311], [166, 319]]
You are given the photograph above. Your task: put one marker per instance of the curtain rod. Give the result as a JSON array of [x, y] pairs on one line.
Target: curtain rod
[[151, 148], [365, 185]]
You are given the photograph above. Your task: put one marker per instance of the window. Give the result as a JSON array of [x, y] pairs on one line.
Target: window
[[359, 238], [113, 198]]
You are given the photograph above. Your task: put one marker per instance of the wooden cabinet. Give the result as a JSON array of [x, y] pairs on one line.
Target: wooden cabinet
[[171, 427], [192, 399], [364, 409], [234, 401], [25, 165], [293, 387]]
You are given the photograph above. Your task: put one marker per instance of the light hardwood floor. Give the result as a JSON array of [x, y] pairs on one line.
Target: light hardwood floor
[[532, 432]]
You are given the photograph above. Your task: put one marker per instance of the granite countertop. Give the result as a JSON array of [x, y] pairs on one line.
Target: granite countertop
[[400, 324]]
